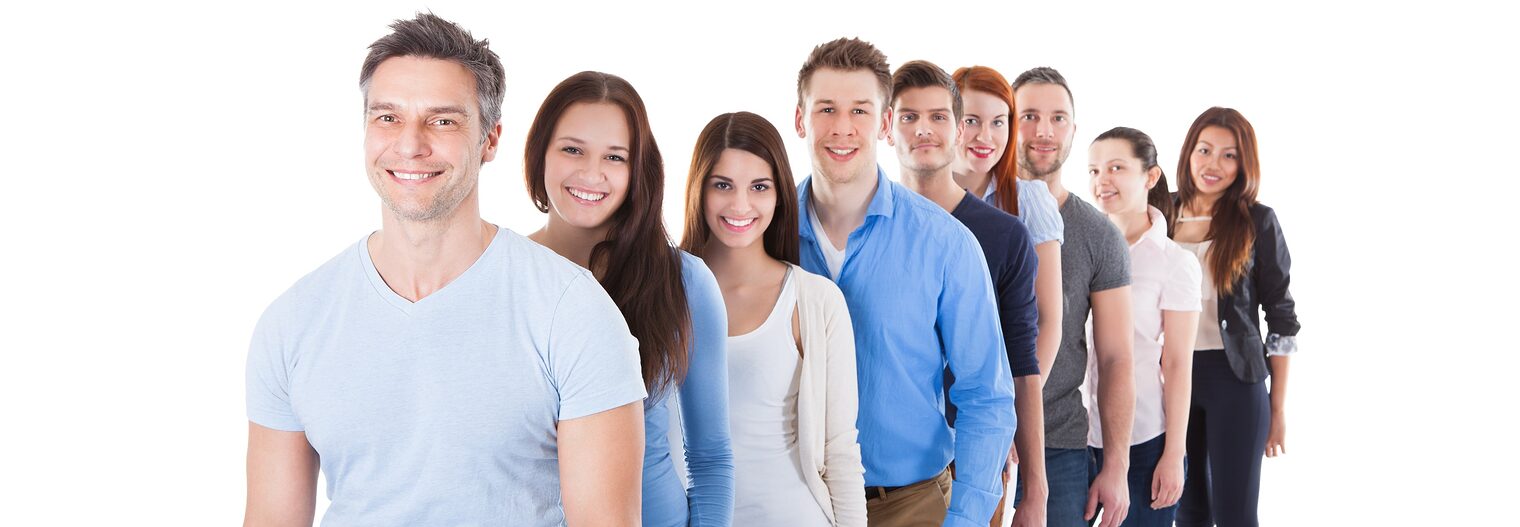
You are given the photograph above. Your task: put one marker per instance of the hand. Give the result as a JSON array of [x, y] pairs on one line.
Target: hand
[[1031, 511], [1275, 434], [1013, 455], [1166, 483], [1112, 490]]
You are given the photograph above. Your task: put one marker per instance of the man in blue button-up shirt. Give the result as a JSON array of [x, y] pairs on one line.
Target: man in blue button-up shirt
[[920, 300]]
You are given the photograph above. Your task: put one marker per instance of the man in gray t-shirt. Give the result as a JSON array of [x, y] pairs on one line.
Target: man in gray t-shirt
[[442, 370], [1094, 277]]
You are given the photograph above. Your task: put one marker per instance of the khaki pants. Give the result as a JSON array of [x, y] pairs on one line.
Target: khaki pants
[[919, 504]]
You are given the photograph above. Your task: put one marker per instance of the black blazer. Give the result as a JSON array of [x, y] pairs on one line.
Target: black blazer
[[1262, 289]]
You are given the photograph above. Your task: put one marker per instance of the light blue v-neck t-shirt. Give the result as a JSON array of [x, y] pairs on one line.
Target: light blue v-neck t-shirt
[[442, 411]]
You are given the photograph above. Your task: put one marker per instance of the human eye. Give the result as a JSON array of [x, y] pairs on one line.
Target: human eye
[[826, 109], [858, 111], [908, 117], [971, 121], [445, 122], [941, 117], [1059, 118], [616, 158], [760, 187], [998, 123], [1230, 155], [387, 118], [574, 151], [1026, 117], [721, 185]]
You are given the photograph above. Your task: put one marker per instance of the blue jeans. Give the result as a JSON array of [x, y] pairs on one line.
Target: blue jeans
[[1069, 472], [1143, 459]]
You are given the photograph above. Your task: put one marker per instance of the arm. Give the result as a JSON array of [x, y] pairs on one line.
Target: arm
[[1029, 441], [1048, 296], [704, 402], [1179, 329], [601, 460], [1113, 332], [282, 478], [1279, 428], [983, 393], [1271, 279], [843, 472]]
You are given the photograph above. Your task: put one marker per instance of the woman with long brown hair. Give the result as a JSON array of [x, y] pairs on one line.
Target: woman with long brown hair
[[986, 168], [791, 347], [591, 162], [1240, 246]]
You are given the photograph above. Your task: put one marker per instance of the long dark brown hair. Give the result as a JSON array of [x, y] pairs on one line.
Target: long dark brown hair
[[1005, 172], [637, 265], [1144, 149], [750, 133], [1231, 229]]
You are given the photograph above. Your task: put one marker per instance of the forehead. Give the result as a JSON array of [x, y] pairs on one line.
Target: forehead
[[1042, 98], [924, 98], [1110, 149], [1218, 136], [594, 122], [977, 101], [842, 86], [739, 164], [422, 82]]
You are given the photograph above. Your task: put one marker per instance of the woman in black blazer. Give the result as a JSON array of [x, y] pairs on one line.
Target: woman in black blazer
[[1233, 420]]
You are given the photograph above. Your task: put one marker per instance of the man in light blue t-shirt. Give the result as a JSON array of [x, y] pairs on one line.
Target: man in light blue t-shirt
[[442, 371]]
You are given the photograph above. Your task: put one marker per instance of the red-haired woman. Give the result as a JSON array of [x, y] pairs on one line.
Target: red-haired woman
[[1244, 257], [791, 349], [592, 164]]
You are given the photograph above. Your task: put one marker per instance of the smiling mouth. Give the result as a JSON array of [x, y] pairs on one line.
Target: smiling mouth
[[842, 153], [1212, 179], [738, 223], [1107, 194], [586, 195], [981, 151], [412, 176]]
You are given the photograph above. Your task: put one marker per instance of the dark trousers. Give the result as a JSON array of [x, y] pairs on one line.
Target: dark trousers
[[1143, 459], [1226, 440]]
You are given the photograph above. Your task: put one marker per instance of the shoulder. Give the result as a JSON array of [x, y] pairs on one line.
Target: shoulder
[[698, 281], [1095, 227], [926, 220], [540, 268], [816, 288], [1263, 216], [318, 286]]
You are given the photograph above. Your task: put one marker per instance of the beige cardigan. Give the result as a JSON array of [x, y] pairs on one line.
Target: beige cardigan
[[827, 400]]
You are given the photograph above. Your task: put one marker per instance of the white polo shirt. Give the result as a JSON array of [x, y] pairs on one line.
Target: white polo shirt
[[1163, 277]]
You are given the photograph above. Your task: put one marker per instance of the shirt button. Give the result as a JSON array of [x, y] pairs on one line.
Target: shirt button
[[1224, 324]]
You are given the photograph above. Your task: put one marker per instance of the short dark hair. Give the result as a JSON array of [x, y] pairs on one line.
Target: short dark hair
[[1044, 75], [846, 54], [430, 36], [924, 74]]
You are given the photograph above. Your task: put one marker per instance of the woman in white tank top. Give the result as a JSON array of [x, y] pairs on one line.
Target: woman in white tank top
[[792, 384]]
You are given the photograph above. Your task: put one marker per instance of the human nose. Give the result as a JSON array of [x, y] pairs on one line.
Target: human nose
[[412, 142], [1044, 129]]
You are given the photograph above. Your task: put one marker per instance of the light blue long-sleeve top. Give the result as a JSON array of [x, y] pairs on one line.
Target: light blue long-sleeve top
[[704, 415], [1038, 209], [920, 298]]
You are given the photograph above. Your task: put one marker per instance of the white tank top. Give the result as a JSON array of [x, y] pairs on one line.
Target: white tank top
[[1208, 320], [763, 370]]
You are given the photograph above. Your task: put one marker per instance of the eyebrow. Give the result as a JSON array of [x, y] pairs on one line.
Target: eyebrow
[[388, 107], [580, 141], [730, 180], [979, 116], [931, 110], [831, 101]]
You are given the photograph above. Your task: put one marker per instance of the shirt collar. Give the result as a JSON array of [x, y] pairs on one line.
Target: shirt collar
[[1157, 233], [881, 203]]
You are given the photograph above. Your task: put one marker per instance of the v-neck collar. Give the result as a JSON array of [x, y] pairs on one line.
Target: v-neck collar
[[407, 306]]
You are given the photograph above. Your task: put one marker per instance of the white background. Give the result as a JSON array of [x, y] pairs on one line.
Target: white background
[[168, 171]]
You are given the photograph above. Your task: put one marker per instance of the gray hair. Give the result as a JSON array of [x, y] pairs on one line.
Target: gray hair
[[430, 36], [1044, 75]]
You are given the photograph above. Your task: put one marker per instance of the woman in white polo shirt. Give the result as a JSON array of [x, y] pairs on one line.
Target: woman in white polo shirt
[[1165, 282]]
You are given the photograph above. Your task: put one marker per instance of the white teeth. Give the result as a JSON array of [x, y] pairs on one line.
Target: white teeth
[[982, 151], [588, 196], [413, 176], [738, 223], [841, 151]]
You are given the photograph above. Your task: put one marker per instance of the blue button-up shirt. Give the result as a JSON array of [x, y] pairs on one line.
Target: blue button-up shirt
[[920, 299]]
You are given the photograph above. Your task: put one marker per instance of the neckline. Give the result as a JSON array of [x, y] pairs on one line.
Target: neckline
[[776, 308], [407, 306]]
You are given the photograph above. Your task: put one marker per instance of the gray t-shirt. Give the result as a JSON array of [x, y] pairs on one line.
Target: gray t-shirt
[[1094, 258], [442, 411]]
